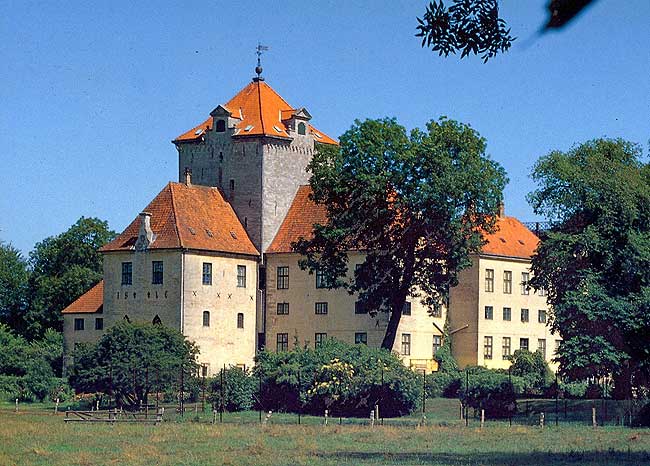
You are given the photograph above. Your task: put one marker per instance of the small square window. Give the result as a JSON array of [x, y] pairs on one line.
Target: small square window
[[78, 324], [360, 308], [283, 309], [406, 309], [99, 323], [360, 338], [523, 344], [319, 339], [320, 308]]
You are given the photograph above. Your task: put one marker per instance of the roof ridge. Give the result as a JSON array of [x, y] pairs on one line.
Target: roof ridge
[[259, 103], [178, 235]]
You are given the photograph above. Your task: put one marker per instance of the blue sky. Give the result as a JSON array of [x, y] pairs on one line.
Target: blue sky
[[92, 93]]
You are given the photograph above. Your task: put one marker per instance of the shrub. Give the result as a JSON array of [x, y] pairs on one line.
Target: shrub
[[490, 390], [533, 368], [443, 384], [642, 418], [573, 389], [9, 387], [239, 390], [292, 380]]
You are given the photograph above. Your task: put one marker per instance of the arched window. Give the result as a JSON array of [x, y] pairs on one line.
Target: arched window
[[156, 320], [206, 318], [126, 319], [302, 128], [220, 126], [240, 320]]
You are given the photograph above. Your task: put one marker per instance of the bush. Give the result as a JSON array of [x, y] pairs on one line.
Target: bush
[[490, 390], [303, 379], [9, 387], [642, 418], [239, 390], [533, 368], [443, 384]]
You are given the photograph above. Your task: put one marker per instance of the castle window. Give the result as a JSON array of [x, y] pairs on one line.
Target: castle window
[[156, 273], [283, 278], [359, 308], [360, 338], [240, 320], [406, 309], [524, 315], [283, 309], [206, 318], [127, 273], [99, 323], [320, 308], [507, 282], [525, 277], [156, 320], [241, 276], [523, 344], [437, 343], [302, 128], [207, 273], [505, 348], [321, 279], [489, 280], [78, 324], [232, 185], [319, 338], [489, 312], [406, 344], [487, 347], [220, 126], [507, 313], [541, 316], [282, 342]]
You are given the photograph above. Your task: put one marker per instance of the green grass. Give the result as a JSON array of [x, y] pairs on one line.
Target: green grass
[[36, 436]]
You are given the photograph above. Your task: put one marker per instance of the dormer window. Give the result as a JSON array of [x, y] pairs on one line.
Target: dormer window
[[302, 128], [220, 126]]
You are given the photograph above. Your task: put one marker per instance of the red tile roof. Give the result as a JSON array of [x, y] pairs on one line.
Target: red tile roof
[[189, 217], [512, 238], [90, 302], [262, 110], [299, 222]]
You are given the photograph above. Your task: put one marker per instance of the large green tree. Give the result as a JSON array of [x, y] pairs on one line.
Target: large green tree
[[414, 203], [595, 260], [13, 285], [132, 360], [63, 267]]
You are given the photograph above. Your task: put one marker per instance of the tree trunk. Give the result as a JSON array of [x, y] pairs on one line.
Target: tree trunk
[[391, 330]]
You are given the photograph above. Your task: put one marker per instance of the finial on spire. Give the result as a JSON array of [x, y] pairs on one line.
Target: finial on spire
[[258, 69]]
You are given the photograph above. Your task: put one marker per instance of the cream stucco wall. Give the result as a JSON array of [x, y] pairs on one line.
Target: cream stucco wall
[[341, 322], [180, 301], [72, 336], [467, 307]]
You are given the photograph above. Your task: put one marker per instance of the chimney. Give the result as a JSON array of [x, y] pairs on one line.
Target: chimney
[[188, 176], [502, 209], [145, 235]]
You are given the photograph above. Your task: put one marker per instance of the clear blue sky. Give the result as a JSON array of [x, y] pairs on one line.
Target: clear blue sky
[[92, 93]]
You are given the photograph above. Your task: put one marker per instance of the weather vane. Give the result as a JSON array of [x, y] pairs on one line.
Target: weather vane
[[258, 69]]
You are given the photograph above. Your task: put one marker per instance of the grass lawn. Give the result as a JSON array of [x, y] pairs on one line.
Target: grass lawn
[[35, 435]]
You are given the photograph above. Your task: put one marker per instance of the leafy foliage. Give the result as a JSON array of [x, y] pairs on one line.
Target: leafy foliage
[[13, 285], [239, 389], [594, 262], [303, 380], [415, 204], [473, 26], [533, 368], [490, 390], [132, 360], [63, 267]]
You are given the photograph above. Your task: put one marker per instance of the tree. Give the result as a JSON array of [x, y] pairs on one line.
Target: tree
[[414, 204], [532, 367], [132, 360], [594, 261], [63, 268], [13, 285], [474, 26]]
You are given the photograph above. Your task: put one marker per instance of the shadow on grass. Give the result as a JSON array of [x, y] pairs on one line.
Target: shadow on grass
[[490, 458]]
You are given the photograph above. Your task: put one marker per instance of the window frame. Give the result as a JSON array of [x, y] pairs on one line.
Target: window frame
[[361, 338], [319, 339], [240, 320], [282, 278], [281, 342], [321, 308], [157, 272], [241, 276], [436, 344], [321, 281], [488, 313], [282, 309], [521, 346], [206, 278], [406, 308], [489, 280], [79, 324], [542, 317], [506, 350], [206, 322], [406, 344], [99, 323], [127, 273], [525, 278], [541, 347], [488, 343], [507, 317], [525, 315], [507, 282]]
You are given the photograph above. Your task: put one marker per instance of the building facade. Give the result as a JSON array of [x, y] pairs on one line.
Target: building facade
[[211, 256]]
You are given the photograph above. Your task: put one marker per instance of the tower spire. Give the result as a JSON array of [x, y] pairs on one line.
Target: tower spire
[[258, 69]]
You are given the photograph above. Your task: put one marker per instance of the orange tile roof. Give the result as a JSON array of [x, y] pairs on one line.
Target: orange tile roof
[[512, 238], [189, 217], [299, 222], [261, 109], [90, 302]]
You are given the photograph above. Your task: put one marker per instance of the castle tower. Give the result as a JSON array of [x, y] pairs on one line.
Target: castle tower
[[255, 148]]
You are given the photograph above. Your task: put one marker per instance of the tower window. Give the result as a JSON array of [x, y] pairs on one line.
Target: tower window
[[156, 273], [206, 318], [232, 185], [78, 324], [220, 126], [156, 320], [240, 320], [207, 273], [302, 128], [127, 273]]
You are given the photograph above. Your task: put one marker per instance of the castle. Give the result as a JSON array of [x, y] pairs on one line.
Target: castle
[[211, 256]]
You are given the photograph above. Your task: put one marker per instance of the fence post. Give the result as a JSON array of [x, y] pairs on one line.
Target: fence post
[[326, 413], [56, 406], [16, 404], [541, 420], [260, 395], [460, 409], [377, 412], [482, 418], [593, 416], [372, 418]]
